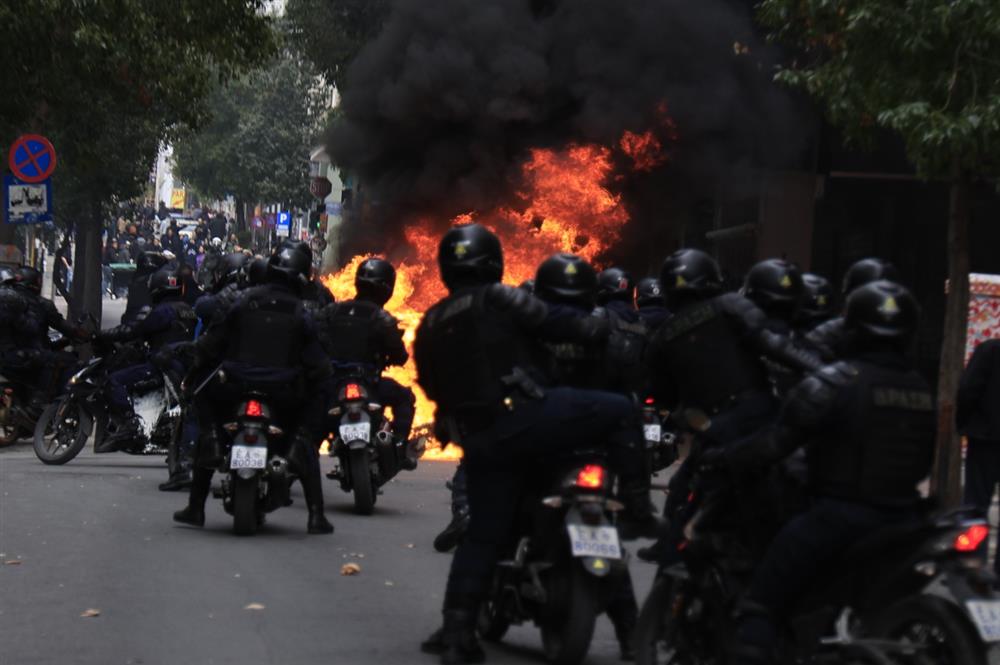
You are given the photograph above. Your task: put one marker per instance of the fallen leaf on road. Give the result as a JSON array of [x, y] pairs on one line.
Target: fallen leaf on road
[[254, 606], [350, 569], [409, 546], [12, 562], [390, 583], [90, 613]]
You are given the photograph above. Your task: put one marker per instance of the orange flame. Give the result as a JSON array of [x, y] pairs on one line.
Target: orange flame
[[563, 205]]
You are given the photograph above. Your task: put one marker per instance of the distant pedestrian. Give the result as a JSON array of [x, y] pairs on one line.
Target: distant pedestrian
[[62, 274], [978, 418]]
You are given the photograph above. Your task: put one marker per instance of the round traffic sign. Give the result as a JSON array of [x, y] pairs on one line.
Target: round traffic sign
[[32, 158]]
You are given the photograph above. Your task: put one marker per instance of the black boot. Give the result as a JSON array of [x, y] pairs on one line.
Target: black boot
[[456, 641], [654, 553], [452, 535], [312, 487], [181, 480], [122, 429], [201, 484], [411, 452]]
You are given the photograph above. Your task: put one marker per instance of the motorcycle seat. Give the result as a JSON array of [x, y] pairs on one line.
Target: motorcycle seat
[[888, 538]]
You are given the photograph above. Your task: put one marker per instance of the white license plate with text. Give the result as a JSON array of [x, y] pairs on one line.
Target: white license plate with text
[[356, 432], [986, 616], [599, 541], [248, 457], [653, 433]]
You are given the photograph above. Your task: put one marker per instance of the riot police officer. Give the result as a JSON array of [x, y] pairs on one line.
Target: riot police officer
[[475, 358], [817, 302], [170, 322], [586, 350], [229, 280], [139, 302], [359, 335], [650, 304], [707, 362], [265, 343], [867, 423], [776, 287], [826, 337], [43, 367], [623, 356]]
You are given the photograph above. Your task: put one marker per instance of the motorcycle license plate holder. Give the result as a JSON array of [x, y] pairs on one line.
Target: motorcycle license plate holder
[[986, 617], [355, 432], [594, 541], [248, 457]]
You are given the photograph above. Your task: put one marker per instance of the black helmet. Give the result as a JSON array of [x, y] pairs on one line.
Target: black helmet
[[29, 278], [882, 310], [375, 280], [291, 263], [257, 271], [231, 269], [527, 285], [614, 284], [470, 255], [164, 283], [150, 261], [566, 278], [775, 285], [817, 300], [648, 292], [867, 270], [690, 271]]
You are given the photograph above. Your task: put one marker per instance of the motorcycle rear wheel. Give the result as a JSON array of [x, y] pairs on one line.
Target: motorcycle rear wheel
[[567, 641], [245, 492], [948, 637], [59, 442], [492, 622], [361, 482], [655, 626]]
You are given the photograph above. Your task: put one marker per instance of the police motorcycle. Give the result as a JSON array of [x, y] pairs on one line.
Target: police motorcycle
[[256, 471], [363, 444], [564, 561], [913, 593], [66, 425]]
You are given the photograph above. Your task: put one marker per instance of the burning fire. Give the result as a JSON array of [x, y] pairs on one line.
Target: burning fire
[[562, 205]]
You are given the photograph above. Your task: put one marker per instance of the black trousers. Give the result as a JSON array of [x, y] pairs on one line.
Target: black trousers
[[982, 475]]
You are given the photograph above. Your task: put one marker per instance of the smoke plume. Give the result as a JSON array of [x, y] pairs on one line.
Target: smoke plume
[[439, 111]]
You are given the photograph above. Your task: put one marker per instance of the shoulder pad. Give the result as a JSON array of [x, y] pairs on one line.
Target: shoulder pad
[[386, 318]]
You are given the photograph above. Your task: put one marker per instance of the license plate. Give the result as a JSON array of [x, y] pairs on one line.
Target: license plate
[[653, 433], [986, 616], [248, 457], [356, 432], [600, 541]]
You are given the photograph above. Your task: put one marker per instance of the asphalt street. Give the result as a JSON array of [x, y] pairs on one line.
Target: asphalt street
[[95, 534], [95, 537]]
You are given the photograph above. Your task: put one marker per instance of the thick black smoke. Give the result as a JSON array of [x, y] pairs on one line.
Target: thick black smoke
[[439, 110]]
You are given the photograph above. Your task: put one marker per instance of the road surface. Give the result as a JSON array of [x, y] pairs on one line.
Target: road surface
[[95, 534]]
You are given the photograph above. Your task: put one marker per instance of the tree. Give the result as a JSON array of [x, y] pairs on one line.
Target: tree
[[108, 83], [332, 32], [926, 70], [257, 144]]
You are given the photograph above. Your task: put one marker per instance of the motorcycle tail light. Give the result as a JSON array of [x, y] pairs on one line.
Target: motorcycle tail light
[[970, 539], [649, 401], [254, 409], [352, 391], [590, 477]]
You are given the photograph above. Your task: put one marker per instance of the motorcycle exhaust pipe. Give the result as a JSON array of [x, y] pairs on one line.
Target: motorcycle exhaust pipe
[[384, 438], [278, 467]]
